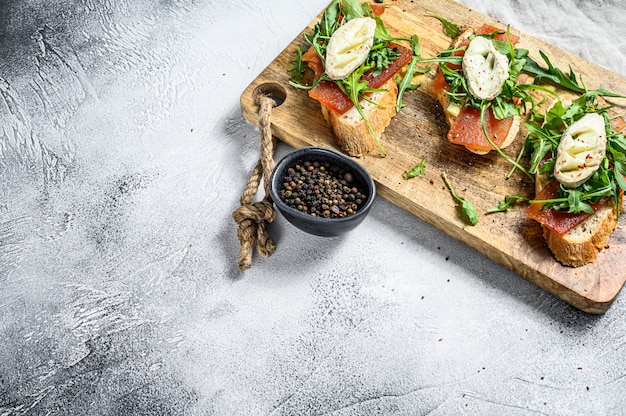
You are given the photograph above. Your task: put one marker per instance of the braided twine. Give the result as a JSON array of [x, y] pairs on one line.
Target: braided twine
[[253, 217]]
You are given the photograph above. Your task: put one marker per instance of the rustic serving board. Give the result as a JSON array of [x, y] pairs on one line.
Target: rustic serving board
[[419, 130]]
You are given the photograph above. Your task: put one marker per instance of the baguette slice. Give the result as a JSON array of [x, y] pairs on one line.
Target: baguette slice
[[451, 112], [350, 130], [582, 244]]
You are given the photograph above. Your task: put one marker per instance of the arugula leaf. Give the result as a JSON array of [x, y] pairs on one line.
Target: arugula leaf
[[380, 57], [503, 108], [509, 200], [484, 106], [576, 200], [552, 74], [458, 91], [471, 215], [355, 88], [605, 93], [575, 203], [450, 28], [417, 170], [557, 77], [620, 172], [328, 24], [298, 66], [618, 143], [352, 9], [540, 147], [381, 32], [405, 83]]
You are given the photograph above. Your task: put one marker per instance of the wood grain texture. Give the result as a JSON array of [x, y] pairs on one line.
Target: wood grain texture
[[419, 130]]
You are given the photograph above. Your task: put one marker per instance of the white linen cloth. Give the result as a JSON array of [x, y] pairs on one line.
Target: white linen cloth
[[594, 30]]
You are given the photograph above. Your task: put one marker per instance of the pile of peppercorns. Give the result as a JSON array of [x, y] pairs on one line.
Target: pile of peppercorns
[[321, 189]]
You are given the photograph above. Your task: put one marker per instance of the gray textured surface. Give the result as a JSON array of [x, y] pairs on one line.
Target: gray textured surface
[[123, 153]]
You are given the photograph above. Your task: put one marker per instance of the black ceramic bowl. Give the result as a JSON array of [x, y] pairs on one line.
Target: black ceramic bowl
[[320, 225]]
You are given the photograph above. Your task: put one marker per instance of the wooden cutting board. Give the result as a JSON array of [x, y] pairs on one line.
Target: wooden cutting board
[[419, 131]]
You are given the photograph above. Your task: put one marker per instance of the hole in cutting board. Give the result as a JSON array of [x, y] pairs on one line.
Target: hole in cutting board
[[271, 89]]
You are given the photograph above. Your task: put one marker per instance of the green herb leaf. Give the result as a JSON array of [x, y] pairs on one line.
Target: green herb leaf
[[552, 74], [405, 83], [380, 57], [328, 24], [484, 105], [417, 170], [355, 88], [471, 215], [576, 204], [298, 67], [450, 28], [620, 171], [469, 211], [509, 200], [352, 9]]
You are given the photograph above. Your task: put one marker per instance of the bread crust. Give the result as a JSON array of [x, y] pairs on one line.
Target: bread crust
[[350, 130], [582, 244]]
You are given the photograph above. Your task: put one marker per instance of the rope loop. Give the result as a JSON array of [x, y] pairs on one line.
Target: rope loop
[[253, 217]]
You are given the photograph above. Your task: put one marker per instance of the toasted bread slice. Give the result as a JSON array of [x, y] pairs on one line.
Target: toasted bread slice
[[451, 111], [582, 244], [350, 130]]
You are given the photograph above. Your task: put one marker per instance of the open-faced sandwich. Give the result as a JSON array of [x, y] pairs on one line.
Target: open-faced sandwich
[[476, 86], [578, 156], [355, 62]]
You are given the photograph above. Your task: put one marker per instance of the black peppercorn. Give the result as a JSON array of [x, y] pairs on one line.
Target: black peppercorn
[[321, 189]]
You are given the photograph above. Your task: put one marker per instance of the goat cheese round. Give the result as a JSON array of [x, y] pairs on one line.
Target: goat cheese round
[[581, 150], [349, 46], [485, 68]]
